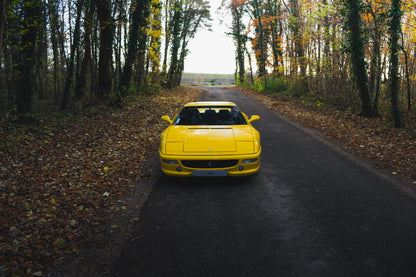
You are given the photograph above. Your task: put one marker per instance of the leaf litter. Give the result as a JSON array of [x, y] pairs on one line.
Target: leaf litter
[[60, 175]]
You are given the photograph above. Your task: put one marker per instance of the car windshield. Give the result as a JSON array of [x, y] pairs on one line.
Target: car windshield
[[210, 115]]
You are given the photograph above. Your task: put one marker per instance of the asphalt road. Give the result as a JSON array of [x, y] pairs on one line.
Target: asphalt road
[[310, 211]]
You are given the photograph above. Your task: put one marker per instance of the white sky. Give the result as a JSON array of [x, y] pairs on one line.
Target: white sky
[[212, 52]]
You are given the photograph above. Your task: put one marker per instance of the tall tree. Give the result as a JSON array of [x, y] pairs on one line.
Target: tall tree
[[57, 51], [155, 33], [395, 14], [81, 80], [294, 24], [2, 20], [74, 47], [239, 36], [120, 11], [25, 85], [375, 62], [276, 32], [356, 50], [175, 31], [107, 26], [141, 50], [167, 36], [259, 41], [139, 13]]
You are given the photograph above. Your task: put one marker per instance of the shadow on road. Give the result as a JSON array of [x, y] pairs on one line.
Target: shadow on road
[[207, 182]]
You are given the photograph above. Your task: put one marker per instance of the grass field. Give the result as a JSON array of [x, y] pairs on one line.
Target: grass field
[[207, 79]]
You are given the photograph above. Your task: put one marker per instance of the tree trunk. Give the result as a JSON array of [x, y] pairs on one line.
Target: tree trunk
[[239, 38], [54, 23], [181, 63], [276, 43], [357, 57], [25, 85], [395, 13], [120, 34], [74, 47], [262, 62], [41, 70], [298, 44], [141, 56], [408, 87], [106, 47], [138, 18], [2, 20], [176, 40], [250, 64], [167, 38], [374, 81], [80, 87]]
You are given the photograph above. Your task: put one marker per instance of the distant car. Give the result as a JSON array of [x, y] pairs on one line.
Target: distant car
[[210, 139]]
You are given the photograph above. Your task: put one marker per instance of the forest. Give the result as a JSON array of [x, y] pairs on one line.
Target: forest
[[356, 55], [56, 54]]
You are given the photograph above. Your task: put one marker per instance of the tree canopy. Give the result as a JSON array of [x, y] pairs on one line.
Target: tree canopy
[[352, 54], [57, 54]]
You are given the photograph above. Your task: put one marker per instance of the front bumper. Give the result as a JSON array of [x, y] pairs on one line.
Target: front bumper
[[238, 169]]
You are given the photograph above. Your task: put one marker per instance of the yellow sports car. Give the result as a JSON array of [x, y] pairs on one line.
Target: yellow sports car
[[210, 139]]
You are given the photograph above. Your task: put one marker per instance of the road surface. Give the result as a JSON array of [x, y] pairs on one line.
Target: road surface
[[310, 211]]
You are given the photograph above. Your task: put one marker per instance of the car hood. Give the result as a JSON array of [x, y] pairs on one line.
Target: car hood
[[209, 140]]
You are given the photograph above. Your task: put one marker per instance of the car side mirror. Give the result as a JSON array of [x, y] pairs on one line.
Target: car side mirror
[[254, 118], [167, 119]]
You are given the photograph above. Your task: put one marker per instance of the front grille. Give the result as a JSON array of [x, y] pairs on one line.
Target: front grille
[[209, 163]]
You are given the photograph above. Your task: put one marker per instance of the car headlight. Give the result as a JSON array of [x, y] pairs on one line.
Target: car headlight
[[162, 147], [170, 161], [249, 161]]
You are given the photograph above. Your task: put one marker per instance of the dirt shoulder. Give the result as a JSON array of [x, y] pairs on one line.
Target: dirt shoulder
[[375, 139]]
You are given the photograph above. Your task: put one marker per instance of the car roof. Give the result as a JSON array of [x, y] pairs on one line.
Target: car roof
[[209, 103]]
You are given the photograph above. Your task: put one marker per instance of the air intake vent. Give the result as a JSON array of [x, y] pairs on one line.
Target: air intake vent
[[210, 163]]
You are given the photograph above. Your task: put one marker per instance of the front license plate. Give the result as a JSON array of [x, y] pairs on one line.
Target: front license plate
[[210, 173]]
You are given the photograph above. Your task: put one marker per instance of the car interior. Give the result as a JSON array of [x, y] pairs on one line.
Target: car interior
[[210, 116]]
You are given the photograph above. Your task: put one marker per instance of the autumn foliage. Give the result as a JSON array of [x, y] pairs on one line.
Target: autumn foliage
[[341, 53]]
